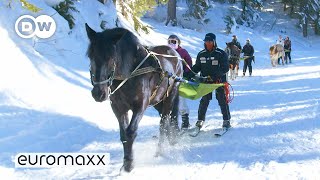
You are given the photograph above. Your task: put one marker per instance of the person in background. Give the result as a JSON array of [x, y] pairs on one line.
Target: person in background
[[248, 52], [212, 63], [287, 50], [281, 42], [175, 43], [236, 42]]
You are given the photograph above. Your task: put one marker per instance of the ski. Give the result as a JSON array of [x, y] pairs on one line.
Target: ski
[[194, 131], [183, 131], [222, 132]]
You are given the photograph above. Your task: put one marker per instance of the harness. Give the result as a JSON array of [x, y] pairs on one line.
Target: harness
[[140, 71]]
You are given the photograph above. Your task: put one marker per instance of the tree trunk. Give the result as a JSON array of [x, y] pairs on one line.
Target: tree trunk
[[172, 12], [291, 8], [305, 27], [284, 7], [316, 26], [244, 5]]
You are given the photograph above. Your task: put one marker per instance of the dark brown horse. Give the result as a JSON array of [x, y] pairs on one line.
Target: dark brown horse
[[134, 78], [233, 53]]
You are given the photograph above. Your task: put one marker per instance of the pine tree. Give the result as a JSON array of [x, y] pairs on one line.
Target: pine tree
[[64, 9], [314, 15], [249, 11], [230, 19], [230, 22], [172, 13], [197, 9], [134, 9]]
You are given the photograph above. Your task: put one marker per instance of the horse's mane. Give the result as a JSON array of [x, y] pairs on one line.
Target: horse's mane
[[233, 48], [104, 41]]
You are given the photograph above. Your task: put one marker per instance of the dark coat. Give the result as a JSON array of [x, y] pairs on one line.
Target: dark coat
[[214, 64], [248, 50], [287, 45], [236, 43]]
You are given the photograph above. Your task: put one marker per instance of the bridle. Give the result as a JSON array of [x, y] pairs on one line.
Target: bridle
[[108, 81], [136, 72]]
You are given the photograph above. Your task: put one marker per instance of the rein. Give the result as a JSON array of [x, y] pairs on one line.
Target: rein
[[133, 73], [139, 71], [136, 72]]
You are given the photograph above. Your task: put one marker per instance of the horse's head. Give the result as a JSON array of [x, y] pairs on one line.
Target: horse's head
[[103, 55], [233, 50], [229, 44]]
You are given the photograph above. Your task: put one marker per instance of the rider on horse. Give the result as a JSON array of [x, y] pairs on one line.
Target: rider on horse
[[235, 41]]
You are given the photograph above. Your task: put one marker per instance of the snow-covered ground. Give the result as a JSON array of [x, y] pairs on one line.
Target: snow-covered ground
[[46, 105]]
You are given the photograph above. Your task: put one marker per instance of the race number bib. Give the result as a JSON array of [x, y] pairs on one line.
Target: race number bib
[[203, 60], [214, 62]]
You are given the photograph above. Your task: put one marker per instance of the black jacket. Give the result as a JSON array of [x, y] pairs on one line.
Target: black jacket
[[214, 64], [236, 43], [287, 45], [248, 50]]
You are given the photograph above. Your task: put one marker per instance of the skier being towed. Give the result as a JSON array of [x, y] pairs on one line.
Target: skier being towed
[[212, 62]]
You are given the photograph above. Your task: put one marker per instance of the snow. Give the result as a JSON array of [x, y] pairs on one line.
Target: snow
[[46, 104]]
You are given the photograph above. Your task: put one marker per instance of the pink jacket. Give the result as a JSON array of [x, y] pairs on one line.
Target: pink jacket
[[185, 55]]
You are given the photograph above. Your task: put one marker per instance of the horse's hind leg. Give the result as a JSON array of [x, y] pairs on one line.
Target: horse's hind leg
[[162, 132], [169, 118], [174, 128]]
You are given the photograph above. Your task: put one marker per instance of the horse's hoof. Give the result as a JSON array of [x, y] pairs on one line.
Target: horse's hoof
[[158, 153], [173, 137], [173, 142], [127, 166]]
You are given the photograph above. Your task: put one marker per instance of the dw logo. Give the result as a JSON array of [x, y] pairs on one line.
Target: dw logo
[[43, 26]]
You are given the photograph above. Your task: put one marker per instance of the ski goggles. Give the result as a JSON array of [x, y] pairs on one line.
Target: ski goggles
[[172, 41], [209, 41]]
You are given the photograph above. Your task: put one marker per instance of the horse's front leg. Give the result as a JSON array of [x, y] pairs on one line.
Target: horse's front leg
[[130, 135], [128, 132], [230, 70], [123, 120], [273, 63], [237, 70]]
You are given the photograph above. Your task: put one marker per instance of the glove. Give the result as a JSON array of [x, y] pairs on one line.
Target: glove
[[188, 75], [200, 79]]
